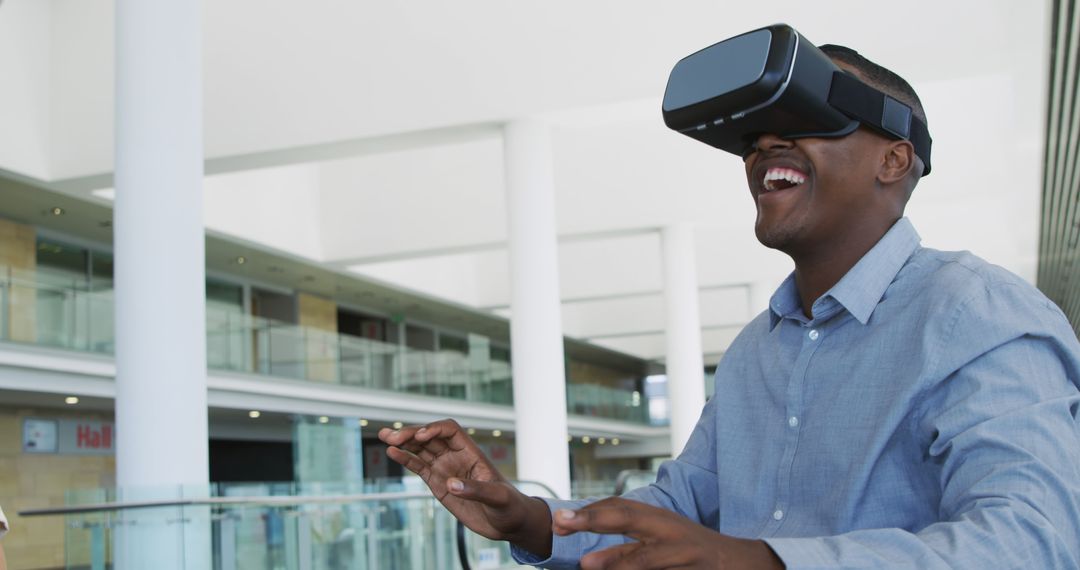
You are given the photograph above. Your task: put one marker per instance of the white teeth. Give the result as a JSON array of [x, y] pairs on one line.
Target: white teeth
[[773, 174]]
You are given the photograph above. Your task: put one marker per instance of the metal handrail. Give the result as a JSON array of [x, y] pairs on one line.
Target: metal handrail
[[268, 500], [625, 475]]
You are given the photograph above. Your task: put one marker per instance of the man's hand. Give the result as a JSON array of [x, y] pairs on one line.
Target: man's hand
[[463, 479], [664, 539]]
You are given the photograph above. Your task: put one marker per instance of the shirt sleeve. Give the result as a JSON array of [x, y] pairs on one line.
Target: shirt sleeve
[[686, 485], [1002, 433]]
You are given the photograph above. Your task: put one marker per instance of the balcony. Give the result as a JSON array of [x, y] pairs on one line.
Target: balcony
[[57, 310]]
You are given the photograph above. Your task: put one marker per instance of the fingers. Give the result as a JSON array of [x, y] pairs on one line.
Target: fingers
[[397, 436], [495, 495], [444, 434], [433, 437], [615, 515], [425, 444], [638, 556], [606, 558], [409, 461], [430, 441]]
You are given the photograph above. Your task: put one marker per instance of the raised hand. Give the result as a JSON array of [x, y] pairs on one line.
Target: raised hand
[[663, 538], [463, 479]]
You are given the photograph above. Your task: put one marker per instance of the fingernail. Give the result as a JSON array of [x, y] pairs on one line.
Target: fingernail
[[421, 430], [456, 485], [566, 514]]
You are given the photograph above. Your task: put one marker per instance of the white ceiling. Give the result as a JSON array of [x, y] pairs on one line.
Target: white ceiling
[[366, 136]]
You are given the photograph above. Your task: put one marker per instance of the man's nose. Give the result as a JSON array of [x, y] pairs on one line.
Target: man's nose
[[770, 141]]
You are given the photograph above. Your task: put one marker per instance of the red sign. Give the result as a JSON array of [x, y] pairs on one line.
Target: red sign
[[99, 436], [87, 437]]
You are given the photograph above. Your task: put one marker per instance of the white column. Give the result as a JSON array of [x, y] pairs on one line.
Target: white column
[[536, 320], [685, 364], [161, 416]]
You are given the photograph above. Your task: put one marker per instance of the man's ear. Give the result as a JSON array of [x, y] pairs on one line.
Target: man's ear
[[896, 163]]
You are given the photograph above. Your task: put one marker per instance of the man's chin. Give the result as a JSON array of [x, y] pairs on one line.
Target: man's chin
[[773, 236]]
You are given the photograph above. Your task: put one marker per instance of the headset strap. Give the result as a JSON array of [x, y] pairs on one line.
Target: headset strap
[[880, 112]]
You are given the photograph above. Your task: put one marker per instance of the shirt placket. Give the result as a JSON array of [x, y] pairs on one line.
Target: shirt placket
[[812, 337]]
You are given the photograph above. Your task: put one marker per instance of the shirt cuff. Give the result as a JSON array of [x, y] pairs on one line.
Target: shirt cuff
[[565, 550], [803, 553], [565, 554]]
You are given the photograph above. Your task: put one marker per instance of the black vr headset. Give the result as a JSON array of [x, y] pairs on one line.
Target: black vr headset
[[773, 80]]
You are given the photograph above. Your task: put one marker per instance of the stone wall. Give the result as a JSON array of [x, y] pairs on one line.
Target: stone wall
[[29, 480]]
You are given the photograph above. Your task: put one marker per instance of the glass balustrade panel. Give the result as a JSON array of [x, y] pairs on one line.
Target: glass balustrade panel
[[391, 525], [76, 314]]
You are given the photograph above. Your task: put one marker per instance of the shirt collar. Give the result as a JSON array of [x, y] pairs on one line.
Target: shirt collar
[[860, 290]]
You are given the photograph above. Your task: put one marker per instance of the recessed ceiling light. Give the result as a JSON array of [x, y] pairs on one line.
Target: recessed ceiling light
[[601, 440], [614, 441], [569, 438], [471, 431], [57, 211], [324, 420], [585, 439], [71, 400], [496, 433], [241, 260], [254, 414], [363, 423], [398, 425]]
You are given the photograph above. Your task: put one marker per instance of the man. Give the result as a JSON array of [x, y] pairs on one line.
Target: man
[[895, 406]]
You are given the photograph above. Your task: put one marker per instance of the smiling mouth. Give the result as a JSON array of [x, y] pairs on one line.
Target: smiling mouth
[[778, 178]]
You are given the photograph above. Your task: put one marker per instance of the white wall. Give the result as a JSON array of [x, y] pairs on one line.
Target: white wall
[[25, 47], [278, 207], [81, 103], [397, 202], [284, 74]]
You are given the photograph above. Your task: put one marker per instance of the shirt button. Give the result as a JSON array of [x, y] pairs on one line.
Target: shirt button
[[814, 334], [793, 421], [778, 514]]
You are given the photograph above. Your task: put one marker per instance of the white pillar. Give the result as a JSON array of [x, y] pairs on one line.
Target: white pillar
[[161, 416], [536, 320], [685, 364]]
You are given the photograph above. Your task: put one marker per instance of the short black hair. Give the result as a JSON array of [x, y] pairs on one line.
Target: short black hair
[[878, 77]]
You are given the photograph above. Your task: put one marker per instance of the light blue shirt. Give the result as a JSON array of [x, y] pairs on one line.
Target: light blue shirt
[[925, 417]]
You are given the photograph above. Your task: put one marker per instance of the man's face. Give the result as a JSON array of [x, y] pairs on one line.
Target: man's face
[[812, 192]]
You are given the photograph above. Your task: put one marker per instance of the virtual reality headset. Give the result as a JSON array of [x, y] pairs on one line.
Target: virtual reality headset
[[773, 80]]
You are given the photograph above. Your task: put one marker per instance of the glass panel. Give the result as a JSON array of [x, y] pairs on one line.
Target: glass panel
[[62, 281], [100, 309], [606, 402], [367, 363], [379, 525], [279, 348], [228, 337], [70, 310], [500, 385]]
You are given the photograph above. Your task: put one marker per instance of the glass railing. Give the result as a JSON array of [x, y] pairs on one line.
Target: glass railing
[[61, 310], [393, 525], [607, 402], [53, 308], [246, 343]]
